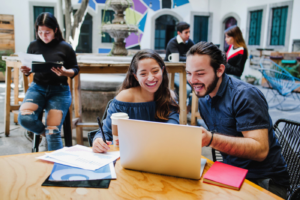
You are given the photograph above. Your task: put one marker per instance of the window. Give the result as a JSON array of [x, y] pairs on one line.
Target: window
[[108, 16], [166, 4], [200, 28], [255, 27], [38, 10], [165, 30], [279, 20]]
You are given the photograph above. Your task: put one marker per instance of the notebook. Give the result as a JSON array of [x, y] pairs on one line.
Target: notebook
[[160, 148], [225, 175]]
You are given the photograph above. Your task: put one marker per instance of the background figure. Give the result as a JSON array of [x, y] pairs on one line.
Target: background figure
[[181, 44], [144, 95], [49, 91], [237, 52]]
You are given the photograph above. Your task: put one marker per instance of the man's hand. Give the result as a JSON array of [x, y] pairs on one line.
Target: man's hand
[[206, 137], [99, 146], [25, 70]]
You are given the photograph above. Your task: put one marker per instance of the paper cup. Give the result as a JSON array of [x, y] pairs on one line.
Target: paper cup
[[114, 126]]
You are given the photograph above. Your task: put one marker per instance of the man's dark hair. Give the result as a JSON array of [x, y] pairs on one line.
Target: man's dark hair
[[217, 57], [181, 26]]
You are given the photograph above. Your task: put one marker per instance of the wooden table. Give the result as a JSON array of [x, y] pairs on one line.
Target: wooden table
[[90, 63], [21, 177]]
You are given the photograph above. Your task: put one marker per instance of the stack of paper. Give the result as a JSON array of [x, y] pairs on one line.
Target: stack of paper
[[81, 163]]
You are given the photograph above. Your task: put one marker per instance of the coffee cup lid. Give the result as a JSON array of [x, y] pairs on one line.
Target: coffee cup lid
[[119, 115]]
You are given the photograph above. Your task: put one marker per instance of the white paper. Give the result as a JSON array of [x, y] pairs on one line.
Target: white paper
[[26, 59], [81, 157], [203, 162]]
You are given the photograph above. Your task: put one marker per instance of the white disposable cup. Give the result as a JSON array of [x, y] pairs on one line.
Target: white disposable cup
[[173, 57], [114, 125]]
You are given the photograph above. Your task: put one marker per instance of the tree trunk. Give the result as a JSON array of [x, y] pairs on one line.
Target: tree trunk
[[74, 21]]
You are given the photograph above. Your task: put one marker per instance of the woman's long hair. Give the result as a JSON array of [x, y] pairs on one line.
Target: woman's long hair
[[236, 33], [48, 19], [162, 96]]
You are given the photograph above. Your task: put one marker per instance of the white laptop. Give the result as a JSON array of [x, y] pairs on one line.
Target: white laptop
[[160, 148]]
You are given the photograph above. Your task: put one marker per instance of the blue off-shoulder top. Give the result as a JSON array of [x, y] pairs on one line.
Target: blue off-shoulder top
[[140, 111]]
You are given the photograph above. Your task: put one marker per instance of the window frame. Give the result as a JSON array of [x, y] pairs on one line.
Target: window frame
[[102, 42], [210, 20], [286, 45], [262, 29]]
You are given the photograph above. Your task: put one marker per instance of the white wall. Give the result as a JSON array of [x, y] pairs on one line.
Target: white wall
[[295, 26]]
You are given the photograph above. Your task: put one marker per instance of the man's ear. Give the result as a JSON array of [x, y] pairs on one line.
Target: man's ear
[[221, 70]]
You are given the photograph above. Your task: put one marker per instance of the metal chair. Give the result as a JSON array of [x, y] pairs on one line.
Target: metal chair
[[67, 133], [91, 134], [288, 135], [216, 155], [282, 83]]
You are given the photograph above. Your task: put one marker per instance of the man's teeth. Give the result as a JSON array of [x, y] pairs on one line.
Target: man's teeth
[[151, 83]]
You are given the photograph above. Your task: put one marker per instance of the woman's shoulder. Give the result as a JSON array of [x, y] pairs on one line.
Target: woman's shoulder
[[127, 95], [65, 44]]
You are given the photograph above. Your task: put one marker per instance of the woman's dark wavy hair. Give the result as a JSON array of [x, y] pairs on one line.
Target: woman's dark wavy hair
[[162, 97], [217, 57], [48, 19]]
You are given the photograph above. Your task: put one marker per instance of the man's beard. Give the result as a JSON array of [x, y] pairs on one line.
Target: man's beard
[[210, 87]]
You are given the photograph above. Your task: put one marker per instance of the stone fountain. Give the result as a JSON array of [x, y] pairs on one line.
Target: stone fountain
[[119, 30]]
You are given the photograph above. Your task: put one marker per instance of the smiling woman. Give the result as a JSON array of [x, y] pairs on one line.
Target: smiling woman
[[144, 95]]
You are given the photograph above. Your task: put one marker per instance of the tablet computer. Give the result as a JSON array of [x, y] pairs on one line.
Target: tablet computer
[[44, 66]]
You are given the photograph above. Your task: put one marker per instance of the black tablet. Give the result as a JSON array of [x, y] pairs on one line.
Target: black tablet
[[44, 66]]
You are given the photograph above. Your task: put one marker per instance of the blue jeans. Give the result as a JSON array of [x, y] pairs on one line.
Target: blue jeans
[[55, 100]]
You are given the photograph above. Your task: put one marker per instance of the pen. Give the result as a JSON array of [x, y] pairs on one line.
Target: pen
[[103, 136]]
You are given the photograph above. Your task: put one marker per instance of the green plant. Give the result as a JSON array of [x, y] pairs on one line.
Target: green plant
[[250, 76], [293, 69]]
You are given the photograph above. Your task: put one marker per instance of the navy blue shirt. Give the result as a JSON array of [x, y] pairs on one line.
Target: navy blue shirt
[[237, 107], [141, 111]]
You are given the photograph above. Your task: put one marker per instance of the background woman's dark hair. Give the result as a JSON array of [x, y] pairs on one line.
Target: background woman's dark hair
[[48, 19], [162, 96], [217, 57], [236, 33]]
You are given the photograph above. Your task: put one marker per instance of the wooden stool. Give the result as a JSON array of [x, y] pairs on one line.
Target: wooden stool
[[194, 110]]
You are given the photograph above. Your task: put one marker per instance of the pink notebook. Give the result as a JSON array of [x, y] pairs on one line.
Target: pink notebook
[[225, 175]]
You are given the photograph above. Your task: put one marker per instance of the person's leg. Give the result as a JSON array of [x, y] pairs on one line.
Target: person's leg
[[269, 185], [32, 105], [56, 111]]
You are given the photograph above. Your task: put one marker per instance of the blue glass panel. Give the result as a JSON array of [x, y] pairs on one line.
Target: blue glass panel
[[108, 16], [101, 50], [142, 23], [179, 2], [278, 29], [200, 28], [255, 27], [153, 4]]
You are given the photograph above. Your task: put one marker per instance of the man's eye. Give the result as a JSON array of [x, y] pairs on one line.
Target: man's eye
[[200, 74]]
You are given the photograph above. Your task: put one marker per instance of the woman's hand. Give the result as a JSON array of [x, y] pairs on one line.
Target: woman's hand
[[63, 71], [25, 70], [99, 146], [59, 71]]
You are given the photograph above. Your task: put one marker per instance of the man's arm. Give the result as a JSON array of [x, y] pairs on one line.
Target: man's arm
[[254, 145]]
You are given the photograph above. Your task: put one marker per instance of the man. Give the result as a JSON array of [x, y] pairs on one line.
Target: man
[[236, 113], [181, 44]]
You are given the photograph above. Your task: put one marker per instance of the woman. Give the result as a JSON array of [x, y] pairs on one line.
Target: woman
[[49, 91], [236, 53], [144, 95]]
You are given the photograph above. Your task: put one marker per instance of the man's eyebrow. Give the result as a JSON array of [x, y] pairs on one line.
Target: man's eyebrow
[[199, 70]]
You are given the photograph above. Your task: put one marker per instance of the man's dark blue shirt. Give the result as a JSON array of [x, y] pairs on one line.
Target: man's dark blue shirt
[[237, 107]]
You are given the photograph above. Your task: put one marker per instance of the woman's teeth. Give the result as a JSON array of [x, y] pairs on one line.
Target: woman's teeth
[[151, 84]]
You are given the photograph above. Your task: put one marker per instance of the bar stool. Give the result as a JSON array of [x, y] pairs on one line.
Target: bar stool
[[67, 133]]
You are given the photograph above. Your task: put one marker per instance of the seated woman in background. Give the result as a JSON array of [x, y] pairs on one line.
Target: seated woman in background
[[236, 53], [144, 95]]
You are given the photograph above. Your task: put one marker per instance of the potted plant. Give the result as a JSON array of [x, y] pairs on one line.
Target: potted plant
[[250, 79]]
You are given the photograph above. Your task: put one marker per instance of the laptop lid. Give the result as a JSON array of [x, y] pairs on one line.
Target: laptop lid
[[160, 148]]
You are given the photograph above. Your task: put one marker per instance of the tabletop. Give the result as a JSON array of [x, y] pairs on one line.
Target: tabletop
[[21, 177]]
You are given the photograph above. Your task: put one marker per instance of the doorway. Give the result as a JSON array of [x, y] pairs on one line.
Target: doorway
[[165, 30], [86, 35]]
